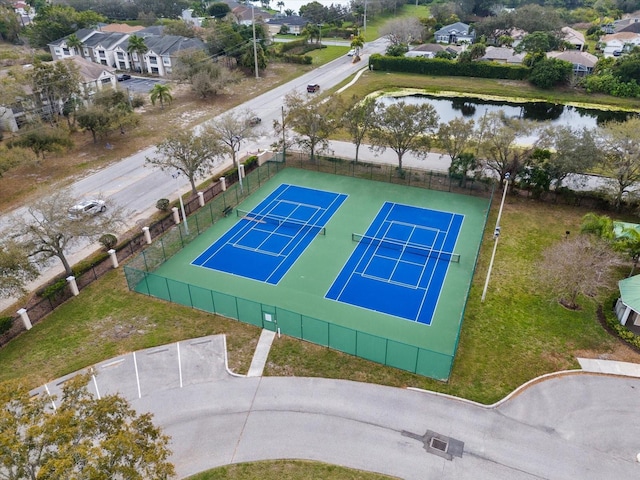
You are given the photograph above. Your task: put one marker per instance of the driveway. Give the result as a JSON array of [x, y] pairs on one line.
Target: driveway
[[572, 426]]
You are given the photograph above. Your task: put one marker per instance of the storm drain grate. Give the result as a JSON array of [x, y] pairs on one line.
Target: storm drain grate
[[438, 444]]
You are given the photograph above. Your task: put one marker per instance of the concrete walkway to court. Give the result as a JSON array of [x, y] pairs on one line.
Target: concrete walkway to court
[[567, 426]]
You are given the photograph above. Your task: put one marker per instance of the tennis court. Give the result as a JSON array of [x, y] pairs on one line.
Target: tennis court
[[267, 241], [400, 263]]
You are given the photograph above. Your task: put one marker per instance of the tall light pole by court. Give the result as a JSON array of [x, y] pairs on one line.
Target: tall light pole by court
[[496, 236], [236, 150], [184, 217]]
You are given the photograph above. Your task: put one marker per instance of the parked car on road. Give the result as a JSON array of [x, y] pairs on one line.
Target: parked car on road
[[313, 87], [87, 207], [253, 121], [351, 52], [123, 76]]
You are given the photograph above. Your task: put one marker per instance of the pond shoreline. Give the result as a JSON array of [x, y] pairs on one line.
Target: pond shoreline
[[404, 92]]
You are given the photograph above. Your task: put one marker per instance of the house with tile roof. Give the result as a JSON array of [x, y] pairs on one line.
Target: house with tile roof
[[502, 55], [573, 37], [583, 62], [616, 43]]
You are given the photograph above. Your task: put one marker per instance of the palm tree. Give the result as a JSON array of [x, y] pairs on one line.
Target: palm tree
[[74, 42], [162, 92], [136, 45], [629, 243], [280, 4], [599, 225]]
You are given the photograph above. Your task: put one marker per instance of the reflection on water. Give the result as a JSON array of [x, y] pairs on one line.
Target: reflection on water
[[473, 108]]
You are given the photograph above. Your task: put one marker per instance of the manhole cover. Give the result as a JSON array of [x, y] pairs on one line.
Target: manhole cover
[[438, 444]]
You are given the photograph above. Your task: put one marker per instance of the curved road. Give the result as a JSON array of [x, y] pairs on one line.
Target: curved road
[[572, 426]]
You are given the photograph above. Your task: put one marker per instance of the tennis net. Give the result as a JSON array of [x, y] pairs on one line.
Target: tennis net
[[278, 220], [406, 247]]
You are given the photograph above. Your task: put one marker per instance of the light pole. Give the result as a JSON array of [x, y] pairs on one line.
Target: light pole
[[184, 217], [236, 150], [255, 48], [496, 236]]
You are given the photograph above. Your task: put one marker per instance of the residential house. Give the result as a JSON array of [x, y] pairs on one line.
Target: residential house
[[455, 33], [429, 50], [583, 62], [628, 305], [110, 49], [24, 12], [247, 15], [502, 55], [95, 76], [574, 38], [617, 43], [294, 23]]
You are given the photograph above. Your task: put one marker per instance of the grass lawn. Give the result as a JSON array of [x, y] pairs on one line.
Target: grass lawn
[[286, 470], [325, 55], [405, 11]]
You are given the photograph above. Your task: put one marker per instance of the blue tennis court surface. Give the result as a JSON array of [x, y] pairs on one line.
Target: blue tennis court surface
[[400, 263], [267, 241]]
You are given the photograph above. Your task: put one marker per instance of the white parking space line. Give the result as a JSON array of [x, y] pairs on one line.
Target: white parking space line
[[49, 393], [135, 363], [95, 383]]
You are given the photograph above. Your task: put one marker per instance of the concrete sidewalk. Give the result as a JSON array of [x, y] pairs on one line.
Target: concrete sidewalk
[[611, 367]]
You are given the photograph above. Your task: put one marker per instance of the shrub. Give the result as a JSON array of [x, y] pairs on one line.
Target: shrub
[[250, 161], [108, 241], [5, 324], [137, 101], [50, 291], [163, 204]]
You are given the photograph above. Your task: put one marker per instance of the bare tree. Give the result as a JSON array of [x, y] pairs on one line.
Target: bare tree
[[582, 265], [498, 143], [403, 128], [48, 229], [189, 154], [229, 131], [312, 122], [401, 31], [358, 120]]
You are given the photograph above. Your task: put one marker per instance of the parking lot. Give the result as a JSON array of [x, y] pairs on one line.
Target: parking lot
[[140, 85], [146, 372]]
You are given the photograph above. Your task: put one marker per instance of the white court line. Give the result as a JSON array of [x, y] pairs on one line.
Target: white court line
[[95, 384], [135, 364]]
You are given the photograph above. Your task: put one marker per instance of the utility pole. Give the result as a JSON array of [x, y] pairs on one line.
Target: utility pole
[[255, 48], [284, 138]]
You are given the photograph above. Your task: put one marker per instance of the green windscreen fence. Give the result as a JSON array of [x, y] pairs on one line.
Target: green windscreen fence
[[360, 344]]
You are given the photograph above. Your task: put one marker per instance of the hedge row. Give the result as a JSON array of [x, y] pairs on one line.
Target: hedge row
[[449, 68], [300, 43], [301, 59]]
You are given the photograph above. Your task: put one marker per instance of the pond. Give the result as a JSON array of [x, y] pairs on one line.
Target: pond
[[449, 108]]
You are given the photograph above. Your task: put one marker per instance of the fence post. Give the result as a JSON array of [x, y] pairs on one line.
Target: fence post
[[24, 316], [201, 199], [114, 258], [73, 285], [147, 235], [223, 183], [176, 215]]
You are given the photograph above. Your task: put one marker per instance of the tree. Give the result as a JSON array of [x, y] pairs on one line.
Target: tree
[[162, 92], [178, 27], [15, 269], [315, 12], [191, 155], [84, 437], [229, 131], [246, 60], [454, 137], [218, 10], [75, 43], [135, 44], [629, 243], [280, 4], [312, 31], [538, 42], [474, 52], [357, 43], [403, 128], [56, 21], [498, 143], [205, 76], [620, 143], [96, 120], [600, 226], [358, 120], [402, 31], [312, 122], [9, 25], [55, 84], [47, 230], [41, 140], [549, 72], [572, 151], [581, 265]]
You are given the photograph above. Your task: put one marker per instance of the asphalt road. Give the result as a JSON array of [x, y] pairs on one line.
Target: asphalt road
[[573, 426]]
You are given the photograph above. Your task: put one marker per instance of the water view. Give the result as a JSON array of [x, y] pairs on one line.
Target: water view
[[473, 108]]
